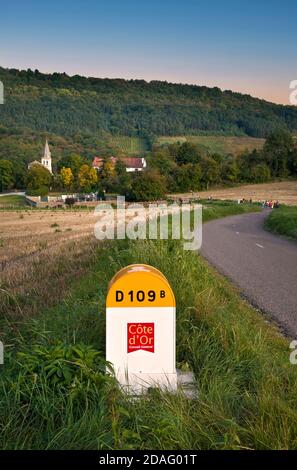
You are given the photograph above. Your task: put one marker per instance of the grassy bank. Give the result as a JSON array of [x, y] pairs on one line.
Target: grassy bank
[[283, 221], [55, 394], [13, 201], [216, 209]]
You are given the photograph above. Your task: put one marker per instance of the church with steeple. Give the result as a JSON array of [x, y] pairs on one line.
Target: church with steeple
[[46, 159]]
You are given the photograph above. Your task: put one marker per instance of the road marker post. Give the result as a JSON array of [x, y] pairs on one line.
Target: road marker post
[[140, 329]]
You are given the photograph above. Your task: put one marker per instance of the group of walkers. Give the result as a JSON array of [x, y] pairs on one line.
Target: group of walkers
[[271, 204], [244, 201]]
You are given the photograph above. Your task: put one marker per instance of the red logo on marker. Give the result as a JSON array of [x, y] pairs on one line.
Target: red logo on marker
[[140, 336]]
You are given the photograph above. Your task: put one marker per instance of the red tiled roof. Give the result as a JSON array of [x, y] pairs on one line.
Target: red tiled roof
[[98, 162], [133, 162], [129, 162]]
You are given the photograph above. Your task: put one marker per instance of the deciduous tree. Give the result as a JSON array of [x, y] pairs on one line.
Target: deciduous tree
[[87, 178], [147, 186], [6, 175], [39, 179], [66, 177]]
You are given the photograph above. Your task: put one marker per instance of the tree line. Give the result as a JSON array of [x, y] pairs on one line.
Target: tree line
[[171, 168], [185, 167]]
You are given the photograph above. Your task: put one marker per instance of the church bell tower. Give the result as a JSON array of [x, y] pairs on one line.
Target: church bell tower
[[47, 158]]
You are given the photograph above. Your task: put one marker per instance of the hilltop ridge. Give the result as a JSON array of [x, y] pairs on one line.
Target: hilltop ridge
[[67, 105]]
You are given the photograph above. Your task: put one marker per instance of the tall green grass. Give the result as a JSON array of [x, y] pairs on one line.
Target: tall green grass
[[283, 221], [215, 209], [246, 386]]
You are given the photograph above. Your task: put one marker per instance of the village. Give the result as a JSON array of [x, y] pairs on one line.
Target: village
[[79, 181]]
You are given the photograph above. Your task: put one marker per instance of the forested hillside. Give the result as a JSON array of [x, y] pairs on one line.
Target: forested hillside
[[67, 106]]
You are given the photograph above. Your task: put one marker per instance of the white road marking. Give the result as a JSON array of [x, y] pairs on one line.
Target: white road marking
[[237, 233], [260, 246]]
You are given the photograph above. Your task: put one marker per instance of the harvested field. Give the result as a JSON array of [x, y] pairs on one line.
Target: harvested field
[[41, 252], [285, 192]]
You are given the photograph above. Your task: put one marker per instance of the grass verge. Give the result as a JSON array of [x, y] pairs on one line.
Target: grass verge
[[12, 201], [283, 221], [55, 395]]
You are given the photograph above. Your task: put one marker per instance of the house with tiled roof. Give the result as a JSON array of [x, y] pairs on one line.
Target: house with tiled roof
[[132, 164], [98, 163]]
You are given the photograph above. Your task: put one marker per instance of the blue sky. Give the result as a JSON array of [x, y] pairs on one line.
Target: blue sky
[[249, 47]]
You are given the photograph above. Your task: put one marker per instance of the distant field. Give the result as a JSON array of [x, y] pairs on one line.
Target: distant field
[[129, 145], [284, 191], [218, 144], [171, 140]]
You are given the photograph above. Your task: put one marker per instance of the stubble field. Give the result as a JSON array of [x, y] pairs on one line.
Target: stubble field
[[283, 191], [41, 253]]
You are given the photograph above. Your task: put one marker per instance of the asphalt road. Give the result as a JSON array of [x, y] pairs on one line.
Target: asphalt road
[[262, 265]]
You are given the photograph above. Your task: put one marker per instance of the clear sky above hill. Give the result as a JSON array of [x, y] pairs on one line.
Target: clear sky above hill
[[250, 47]]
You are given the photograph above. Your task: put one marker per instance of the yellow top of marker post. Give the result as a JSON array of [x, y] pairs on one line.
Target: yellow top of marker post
[[139, 285]]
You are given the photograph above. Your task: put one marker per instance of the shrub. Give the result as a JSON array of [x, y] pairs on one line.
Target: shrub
[[70, 201], [67, 369], [147, 186], [41, 191], [260, 173]]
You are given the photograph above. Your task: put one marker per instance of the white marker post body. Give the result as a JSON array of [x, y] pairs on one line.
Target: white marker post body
[[140, 329]]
